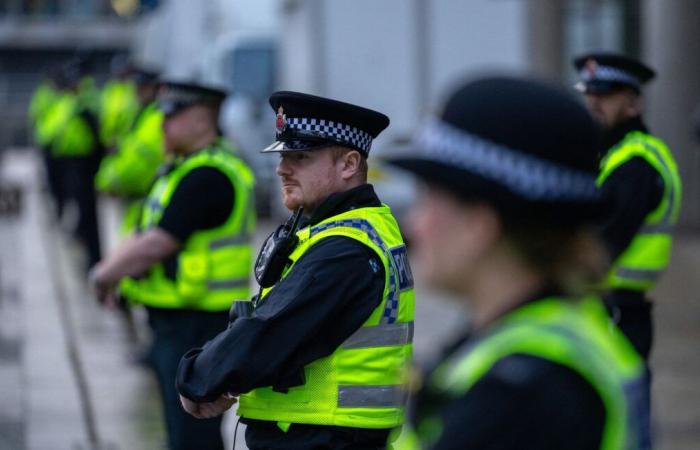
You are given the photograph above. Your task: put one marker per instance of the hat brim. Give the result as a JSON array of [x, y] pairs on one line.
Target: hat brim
[[170, 107], [290, 146], [471, 187], [602, 87]]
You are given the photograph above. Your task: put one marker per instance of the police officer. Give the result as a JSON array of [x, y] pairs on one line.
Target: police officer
[[639, 172], [130, 170], [69, 132], [45, 95], [503, 223], [119, 102], [319, 361], [191, 256]]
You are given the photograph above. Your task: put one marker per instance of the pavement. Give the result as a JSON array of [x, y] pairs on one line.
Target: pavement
[[68, 379]]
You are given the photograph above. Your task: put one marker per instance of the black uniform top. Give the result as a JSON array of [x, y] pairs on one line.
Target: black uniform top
[[202, 200], [523, 402], [635, 187], [329, 293]]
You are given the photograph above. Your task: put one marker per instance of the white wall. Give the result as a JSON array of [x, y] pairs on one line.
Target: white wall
[[389, 56], [471, 37], [180, 36]]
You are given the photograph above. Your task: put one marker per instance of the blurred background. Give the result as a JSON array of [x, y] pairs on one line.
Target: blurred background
[[65, 381]]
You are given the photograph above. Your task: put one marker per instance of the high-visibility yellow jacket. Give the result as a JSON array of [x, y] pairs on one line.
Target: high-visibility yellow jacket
[[576, 335], [646, 258], [131, 169], [214, 265], [361, 383]]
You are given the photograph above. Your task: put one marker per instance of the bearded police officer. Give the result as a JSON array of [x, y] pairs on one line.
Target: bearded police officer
[[638, 171], [190, 257], [319, 361], [504, 223]]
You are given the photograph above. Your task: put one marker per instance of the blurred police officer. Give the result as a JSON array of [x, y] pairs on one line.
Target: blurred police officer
[[638, 171], [504, 224], [119, 102], [69, 132], [191, 255], [45, 95], [319, 361], [128, 172]]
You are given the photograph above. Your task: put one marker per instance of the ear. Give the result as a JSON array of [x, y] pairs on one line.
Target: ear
[[634, 105], [485, 223], [350, 164]]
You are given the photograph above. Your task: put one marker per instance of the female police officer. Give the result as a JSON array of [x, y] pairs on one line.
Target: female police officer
[[509, 173]]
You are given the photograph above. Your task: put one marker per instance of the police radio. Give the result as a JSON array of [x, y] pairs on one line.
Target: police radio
[[274, 255]]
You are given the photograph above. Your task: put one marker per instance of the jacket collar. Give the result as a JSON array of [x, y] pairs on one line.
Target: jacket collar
[[617, 133], [340, 202]]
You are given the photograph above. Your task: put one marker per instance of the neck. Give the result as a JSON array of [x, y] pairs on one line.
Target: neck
[[616, 133], [499, 285]]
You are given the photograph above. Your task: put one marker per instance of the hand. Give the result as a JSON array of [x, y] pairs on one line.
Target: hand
[[208, 410], [106, 293]]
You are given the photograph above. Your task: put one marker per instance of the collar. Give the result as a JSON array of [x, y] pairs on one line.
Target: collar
[[619, 131], [340, 202]]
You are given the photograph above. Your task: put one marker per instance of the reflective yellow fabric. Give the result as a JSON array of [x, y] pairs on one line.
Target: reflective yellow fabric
[[42, 99], [64, 130], [214, 266], [642, 263], [119, 106], [131, 169], [576, 335], [361, 384]]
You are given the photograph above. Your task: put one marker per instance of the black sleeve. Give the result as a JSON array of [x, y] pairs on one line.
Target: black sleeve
[[636, 188], [525, 402], [202, 200], [327, 296]]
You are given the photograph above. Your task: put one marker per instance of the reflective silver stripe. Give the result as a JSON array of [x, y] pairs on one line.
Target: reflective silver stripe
[[384, 335], [218, 285], [353, 396], [657, 228], [229, 241], [638, 274]]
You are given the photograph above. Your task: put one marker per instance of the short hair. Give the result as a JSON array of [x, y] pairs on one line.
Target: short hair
[[338, 152]]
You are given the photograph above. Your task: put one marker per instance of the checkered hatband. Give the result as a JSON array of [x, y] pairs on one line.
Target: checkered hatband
[[608, 73], [328, 129], [529, 176]]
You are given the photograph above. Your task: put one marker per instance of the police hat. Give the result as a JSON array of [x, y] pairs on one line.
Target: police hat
[[526, 148], [605, 72], [143, 75], [176, 96], [306, 122], [73, 70]]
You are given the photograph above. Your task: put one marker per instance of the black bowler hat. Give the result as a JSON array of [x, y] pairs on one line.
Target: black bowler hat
[[601, 73], [526, 148], [306, 122], [176, 96]]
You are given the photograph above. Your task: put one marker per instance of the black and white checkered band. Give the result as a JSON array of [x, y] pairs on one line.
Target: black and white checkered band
[[327, 129], [608, 73], [525, 175]]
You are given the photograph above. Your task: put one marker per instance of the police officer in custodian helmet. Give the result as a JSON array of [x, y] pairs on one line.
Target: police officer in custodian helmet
[[509, 197]]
